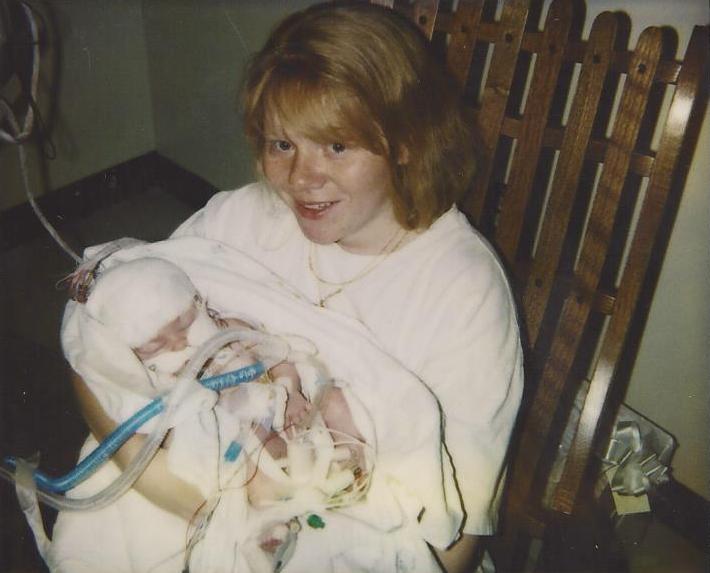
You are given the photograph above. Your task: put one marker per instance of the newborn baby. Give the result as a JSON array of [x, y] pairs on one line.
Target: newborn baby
[[151, 306]]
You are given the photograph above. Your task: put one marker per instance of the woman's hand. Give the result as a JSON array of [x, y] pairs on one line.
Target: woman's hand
[[157, 483]]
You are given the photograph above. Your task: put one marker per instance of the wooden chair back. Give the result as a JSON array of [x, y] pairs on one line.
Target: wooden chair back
[[587, 145]]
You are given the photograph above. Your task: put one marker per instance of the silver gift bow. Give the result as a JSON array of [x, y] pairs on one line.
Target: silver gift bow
[[639, 465]]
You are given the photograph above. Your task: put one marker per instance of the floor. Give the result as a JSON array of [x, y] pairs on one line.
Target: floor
[[653, 547], [37, 409]]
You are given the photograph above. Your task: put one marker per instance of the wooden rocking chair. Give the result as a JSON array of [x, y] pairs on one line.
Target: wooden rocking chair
[[578, 198]]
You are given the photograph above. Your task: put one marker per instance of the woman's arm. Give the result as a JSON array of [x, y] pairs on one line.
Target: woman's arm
[[156, 483], [461, 556]]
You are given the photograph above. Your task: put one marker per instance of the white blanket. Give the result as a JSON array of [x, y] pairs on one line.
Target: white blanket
[[412, 497]]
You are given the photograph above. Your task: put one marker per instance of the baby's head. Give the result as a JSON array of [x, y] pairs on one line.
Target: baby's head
[[152, 306]]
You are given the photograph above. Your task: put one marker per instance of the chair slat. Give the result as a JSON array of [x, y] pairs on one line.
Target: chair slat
[[569, 166], [542, 88], [692, 80], [604, 301], [495, 95], [641, 163], [464, 30], [424, 16]]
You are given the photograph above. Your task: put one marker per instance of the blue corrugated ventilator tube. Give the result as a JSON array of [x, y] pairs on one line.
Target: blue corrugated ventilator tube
[[271, 351]]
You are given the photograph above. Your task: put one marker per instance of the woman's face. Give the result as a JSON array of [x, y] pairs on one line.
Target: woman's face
[[338, 193]]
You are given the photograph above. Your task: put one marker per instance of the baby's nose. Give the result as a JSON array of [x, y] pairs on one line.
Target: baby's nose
[[177, 343]]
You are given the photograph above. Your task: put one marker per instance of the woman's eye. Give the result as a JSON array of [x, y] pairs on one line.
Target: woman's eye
[[280, 145], [338, 148]]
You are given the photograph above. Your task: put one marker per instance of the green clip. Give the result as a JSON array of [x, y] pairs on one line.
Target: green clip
[[315, 521]]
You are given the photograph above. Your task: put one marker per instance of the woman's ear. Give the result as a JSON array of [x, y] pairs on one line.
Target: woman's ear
[[403, 155]]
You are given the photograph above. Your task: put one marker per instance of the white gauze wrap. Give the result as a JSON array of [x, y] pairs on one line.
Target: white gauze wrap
[[137, 298], [130, 303]]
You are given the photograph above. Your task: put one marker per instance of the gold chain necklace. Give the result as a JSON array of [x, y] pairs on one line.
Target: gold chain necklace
[[392, 245]]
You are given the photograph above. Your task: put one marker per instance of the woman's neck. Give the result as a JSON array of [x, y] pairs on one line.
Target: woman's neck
[[377, 237]]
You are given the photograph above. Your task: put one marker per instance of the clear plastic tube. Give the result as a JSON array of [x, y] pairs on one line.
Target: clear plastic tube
[[268, 349]]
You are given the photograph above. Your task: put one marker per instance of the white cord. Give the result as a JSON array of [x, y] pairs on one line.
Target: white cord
[[5, 109], [47, 225], [22, 134]]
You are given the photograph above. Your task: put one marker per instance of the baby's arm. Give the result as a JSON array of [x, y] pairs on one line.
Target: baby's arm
[[262, 489]]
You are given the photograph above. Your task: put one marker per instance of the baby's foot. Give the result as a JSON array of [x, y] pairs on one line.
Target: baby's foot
[[279, 542]]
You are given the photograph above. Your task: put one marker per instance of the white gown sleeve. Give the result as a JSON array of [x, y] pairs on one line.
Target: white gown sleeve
[[474, 366]]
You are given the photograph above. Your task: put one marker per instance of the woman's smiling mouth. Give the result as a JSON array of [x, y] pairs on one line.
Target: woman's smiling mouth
[[313, 210]]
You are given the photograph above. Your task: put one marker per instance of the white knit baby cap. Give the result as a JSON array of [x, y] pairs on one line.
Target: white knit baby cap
[[137, 298]]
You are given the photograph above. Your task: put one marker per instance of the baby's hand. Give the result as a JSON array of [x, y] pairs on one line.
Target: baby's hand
[[297, 409]]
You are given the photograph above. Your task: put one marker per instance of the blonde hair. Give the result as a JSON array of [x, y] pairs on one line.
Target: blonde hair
[[361, 74]]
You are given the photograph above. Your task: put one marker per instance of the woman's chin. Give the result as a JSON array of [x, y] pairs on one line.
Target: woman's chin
[[317, 235]]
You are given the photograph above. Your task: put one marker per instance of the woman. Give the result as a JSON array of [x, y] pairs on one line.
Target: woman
[[363, 149]]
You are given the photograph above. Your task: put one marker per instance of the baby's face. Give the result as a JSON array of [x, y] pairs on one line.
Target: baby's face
[[171, 338], [174, 344]]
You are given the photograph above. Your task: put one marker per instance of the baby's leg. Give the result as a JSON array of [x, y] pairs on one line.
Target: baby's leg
[[267, 482], [337, 415], [261, 489], [274, 444], [338, 418]]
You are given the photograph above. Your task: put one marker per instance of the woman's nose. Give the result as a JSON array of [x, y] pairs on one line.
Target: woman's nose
[[306, 171]]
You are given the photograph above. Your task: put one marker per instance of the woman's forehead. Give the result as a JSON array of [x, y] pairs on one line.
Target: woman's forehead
[[324, 122], [318, 131], [316, 116], [273, 123]]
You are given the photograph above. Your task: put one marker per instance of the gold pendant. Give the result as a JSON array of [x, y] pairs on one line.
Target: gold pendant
[[327, 297]]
